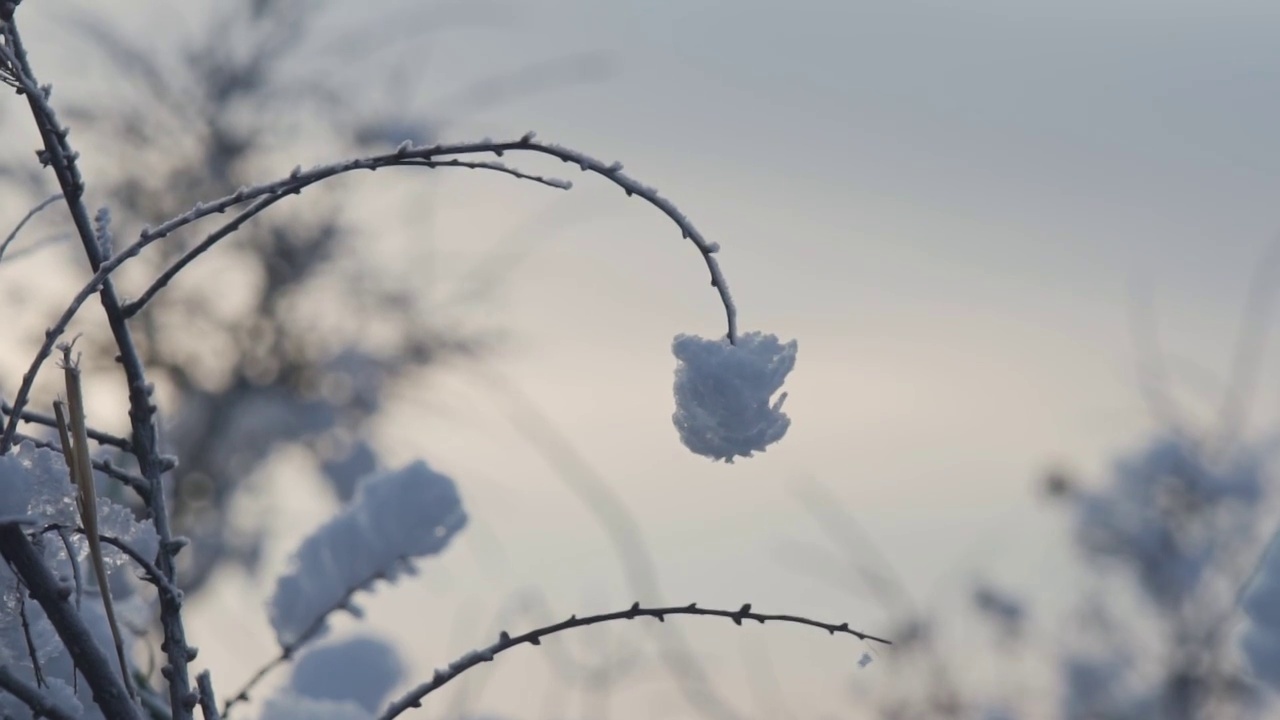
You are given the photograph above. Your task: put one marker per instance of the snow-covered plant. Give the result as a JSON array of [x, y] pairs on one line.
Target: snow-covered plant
[[291, 706], [393, 518], [1169, 513], [1168, 537], [36, 495], [1261, 638], [57, 649], [362, 669], [1176, 522]]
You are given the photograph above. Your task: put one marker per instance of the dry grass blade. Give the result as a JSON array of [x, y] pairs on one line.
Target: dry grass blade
[[75, 446]]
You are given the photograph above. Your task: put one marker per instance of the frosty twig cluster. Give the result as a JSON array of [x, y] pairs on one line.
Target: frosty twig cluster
[[49, 488], [110, 694]]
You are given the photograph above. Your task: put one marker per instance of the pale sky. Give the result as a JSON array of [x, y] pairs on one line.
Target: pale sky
[[946, 204]]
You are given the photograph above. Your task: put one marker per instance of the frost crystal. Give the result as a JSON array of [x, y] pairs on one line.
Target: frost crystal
[[36, 486], [393, 517], [723, 393]]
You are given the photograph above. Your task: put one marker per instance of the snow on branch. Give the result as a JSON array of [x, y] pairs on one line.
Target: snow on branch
[[394, 517], [265, 195], [150, 573], [413, 698], [724, 392], [33, 698], [34, 484], [106, 467], [431, 157]]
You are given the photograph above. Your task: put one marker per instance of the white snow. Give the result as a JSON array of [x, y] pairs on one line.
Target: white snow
[[394, 516], [723, 393]]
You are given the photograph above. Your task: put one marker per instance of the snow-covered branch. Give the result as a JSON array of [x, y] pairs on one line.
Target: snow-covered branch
[[55, 599], [393, 518], [434, 156], [31, 696]]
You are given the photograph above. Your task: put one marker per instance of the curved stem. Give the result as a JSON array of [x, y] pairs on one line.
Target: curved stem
[[434, 156], [413, 698], [13, 235]]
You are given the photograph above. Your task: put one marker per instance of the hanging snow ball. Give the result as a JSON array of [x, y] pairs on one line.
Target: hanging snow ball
[[723, 393]]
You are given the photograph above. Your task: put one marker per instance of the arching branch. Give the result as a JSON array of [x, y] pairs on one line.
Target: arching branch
[[413, 698]]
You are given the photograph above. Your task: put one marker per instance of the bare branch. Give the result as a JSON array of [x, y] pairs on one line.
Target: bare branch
[[36, 418], [187, 258], [413, 698], [4, 245], [208, 701], [150, 572], [62, 159], [435, 156]]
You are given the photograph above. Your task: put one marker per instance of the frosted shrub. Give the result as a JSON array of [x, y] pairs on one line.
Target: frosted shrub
[[56, 652], [1167, 513]]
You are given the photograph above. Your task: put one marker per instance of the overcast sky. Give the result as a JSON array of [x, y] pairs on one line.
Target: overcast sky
[[949, 205]]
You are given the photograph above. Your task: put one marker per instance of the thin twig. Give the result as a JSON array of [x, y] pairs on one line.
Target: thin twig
[[150, 572], [208, 701], [413, 698], [37, 418], [4, 245], [29, 640], [188, 257], [242, 694], [312, 631]]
